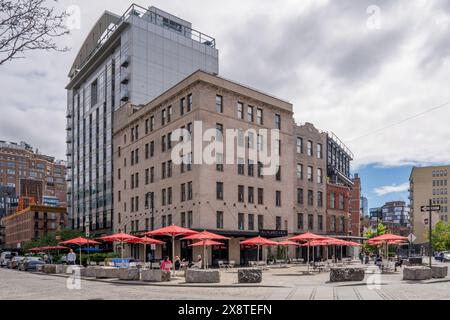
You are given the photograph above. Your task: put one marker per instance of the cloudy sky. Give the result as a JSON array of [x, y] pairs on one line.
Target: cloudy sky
[[376, 73]]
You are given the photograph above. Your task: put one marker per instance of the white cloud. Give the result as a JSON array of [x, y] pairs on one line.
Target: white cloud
[[384, 190], [339, 75]]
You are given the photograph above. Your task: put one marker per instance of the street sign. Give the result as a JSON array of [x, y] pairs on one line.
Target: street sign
[[432, 208], [412, 237]]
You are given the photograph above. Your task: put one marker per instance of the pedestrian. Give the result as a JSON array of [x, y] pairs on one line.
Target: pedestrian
[[149, 257], [200, 261], [46, 258], [166, 265], [71, 257], [177, 262]]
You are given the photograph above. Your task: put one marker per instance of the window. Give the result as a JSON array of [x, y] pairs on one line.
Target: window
[[249, 113], [189, 193], [320, 199], [250, 168], [163, 222], [163, 117], [152, 123], [277, 121], [152, 174], [147, 151], [152, 148], [136, 156], [319, 175], [219, 104], [163, 197], [163, 143], [278, 174], [240, 138], [219, 190], [341, 224], [260, 196], [278, 223], [183, 219], [240, 193], [310, 222], [169, 140], [260, 167], [163, 170], [251, 195], [169, 195], [169, 113], [219, 132], [310, 198], [251, 221], [219, 162], [310, 173], [190, 219], [240, 165], [250, 140], [319, 151], [277, 147], [341, 201], [299, 220], [299, 196], [169, 168], [333, 223], [299, 145], [278, 198], [241, 221], [240, 110], [260, 143], [259, 116], [219, 219], [189, 103], [183, 192], [260, 222], [147, 126], [182, 105], [332, 200], [299, 171], [320, 222], [309, 148], [94, 93]]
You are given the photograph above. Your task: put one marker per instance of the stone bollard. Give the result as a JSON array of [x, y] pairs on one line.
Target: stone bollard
[[106, 273], [129, 274], [338, 274], [202, 276], [439, 271], [249, 275], [416, 273], [155, 275]]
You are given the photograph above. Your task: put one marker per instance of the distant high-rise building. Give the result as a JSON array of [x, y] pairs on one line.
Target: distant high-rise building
[[428, 183], [130, 58], [365, 206]]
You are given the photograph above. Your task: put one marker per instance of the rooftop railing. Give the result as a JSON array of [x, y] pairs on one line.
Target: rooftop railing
[[152, 17]]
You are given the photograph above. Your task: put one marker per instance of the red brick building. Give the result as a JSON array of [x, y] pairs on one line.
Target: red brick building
[[338, 209], [355, 206]]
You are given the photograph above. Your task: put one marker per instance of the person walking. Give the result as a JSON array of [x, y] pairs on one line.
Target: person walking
[[71, 257]]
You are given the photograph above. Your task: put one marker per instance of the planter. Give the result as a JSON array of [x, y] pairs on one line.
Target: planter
[[90, 272], [106, 273], [129, 274], [251, 275], [202, 276], [340, 274], [439, 272], [49, 268], [416, 273], [154, 275]]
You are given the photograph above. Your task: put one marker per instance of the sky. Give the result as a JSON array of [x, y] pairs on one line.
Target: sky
[[373, 72]]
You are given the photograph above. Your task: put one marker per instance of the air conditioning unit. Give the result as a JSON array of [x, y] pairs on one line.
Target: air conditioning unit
[[124, 77], [125, 61], [124, 95]]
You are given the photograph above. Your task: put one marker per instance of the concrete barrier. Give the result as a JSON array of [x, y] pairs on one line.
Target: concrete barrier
[[106, 273], [60, 268], [76, 270], [90, 272], [202, 276], [249, 275], [339, 274], [129, 274], [439, 271], [155, 275], [416, 273], [49, 268]]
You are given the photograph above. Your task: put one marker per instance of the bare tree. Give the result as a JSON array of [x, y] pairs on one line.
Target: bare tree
[[29, 25]]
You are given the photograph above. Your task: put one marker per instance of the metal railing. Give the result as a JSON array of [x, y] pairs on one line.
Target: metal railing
[[152, 17]]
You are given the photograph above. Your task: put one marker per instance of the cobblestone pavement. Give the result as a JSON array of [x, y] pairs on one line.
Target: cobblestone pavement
[[282, 284]]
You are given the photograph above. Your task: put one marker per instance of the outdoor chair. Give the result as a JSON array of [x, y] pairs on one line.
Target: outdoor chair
[[231, 264]]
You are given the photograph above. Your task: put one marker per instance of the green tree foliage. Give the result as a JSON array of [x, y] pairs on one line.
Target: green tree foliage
[[381, 229], [440, 236], [52, 239]]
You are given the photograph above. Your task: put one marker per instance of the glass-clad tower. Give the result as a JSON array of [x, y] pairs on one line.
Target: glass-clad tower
[[129, 58]]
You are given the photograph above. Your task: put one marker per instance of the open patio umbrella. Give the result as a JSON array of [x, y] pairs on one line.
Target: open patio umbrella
[[206, 243], [79, 241], [145, 241], [172, 231], [385, 239], [119, 237], [259, 241], [205, 235], [308, 237]]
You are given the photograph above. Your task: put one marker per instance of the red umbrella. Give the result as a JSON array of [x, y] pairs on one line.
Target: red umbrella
[[172, 231], [80, 241], [308, 237], [119, 237], [388, 237], [145, 241], [205, 235], [205, 243], [259, 241], [287, 243]]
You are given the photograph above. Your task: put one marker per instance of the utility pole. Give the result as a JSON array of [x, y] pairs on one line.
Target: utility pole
[[152, 207], [430, 248]]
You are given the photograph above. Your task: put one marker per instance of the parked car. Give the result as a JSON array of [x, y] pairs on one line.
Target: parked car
[[4, 258], [14, 262], [446, 256], [30, 263]]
